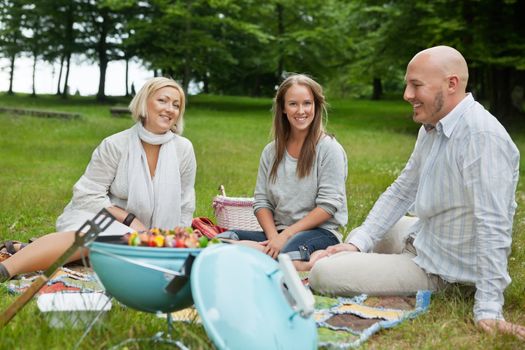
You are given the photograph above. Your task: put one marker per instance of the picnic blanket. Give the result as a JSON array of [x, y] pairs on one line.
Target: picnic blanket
[[342, 323], [67, 280], [345, 323]]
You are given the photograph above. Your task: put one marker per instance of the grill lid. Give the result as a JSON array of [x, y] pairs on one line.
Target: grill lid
[[246, 301]]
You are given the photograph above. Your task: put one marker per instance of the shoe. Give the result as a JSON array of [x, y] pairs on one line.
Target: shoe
[[11, 247]]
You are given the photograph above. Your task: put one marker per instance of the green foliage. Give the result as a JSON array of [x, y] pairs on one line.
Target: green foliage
[[356, 48], [40, 160]]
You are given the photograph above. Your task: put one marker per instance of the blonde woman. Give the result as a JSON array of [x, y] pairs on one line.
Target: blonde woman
[[144, 176], [300, 196]]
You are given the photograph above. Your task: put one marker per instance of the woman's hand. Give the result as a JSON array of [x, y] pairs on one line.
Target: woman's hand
[[275, 244], [138, 226]]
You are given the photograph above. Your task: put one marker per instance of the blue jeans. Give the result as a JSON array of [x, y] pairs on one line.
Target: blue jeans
[[299, 247]]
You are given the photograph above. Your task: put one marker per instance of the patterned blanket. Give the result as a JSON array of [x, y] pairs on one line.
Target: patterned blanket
[[74, 279], [343, 323], [348, 322]]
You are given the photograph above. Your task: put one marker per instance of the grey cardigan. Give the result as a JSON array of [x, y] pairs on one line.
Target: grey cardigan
[[290, 198]]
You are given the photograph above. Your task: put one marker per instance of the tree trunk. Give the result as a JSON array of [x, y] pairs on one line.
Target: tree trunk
[[65, 90], [127, 76], [475, 83], [101, 94], [206, 84], [102, 57], [11, 74], [377, 92], [280, 32], [34, 71], [256, 91], [186, 75], [504, 82], [60, 73]]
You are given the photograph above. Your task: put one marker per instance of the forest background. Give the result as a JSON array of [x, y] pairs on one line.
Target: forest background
[[356, 48]]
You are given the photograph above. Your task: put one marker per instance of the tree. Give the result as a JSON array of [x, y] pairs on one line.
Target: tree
[[62, 33], [384, 36], [103, 29], [489, 33], [12, 16], [34, 39], [189, 40], [496, 50], [270, 39], [309, 37]]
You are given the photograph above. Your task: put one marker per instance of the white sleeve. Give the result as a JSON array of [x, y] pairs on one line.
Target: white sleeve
[[90, 192]]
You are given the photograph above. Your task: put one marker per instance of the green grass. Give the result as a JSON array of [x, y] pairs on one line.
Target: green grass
[[40, 160]]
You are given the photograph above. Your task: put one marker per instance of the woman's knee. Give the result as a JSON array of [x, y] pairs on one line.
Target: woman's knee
[[228, 235], [303, 244]]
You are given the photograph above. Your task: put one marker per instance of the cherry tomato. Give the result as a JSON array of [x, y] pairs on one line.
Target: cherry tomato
[[179, 243]]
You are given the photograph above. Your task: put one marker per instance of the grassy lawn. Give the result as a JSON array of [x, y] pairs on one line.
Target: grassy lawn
[[40, 160]]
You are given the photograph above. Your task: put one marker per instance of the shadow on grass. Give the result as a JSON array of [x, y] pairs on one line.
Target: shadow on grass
[[386, 115], [46, 100]]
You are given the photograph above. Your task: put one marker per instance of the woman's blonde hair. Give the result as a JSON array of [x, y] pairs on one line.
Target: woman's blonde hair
[[139, 104], [282, 129]]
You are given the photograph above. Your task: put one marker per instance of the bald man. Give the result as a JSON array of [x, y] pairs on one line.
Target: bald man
[[459, 183]]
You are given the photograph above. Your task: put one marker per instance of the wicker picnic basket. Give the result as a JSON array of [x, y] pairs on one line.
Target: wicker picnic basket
[[235, 213]]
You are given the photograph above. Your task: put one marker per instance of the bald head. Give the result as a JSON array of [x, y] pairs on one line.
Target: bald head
[[447, 60], [436, 80]]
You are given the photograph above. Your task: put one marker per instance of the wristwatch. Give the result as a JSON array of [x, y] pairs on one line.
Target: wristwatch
[[129, 219]]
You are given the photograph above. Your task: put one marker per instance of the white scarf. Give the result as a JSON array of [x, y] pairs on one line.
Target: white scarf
[[155, 202]]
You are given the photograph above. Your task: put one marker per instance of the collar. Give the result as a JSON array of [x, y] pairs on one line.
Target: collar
[[428, 127], [447, 124]]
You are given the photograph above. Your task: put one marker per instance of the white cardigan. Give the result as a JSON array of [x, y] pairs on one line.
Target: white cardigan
[[105, 182]]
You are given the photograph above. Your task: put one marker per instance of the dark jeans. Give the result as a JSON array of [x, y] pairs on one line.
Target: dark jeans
[[299, 247]]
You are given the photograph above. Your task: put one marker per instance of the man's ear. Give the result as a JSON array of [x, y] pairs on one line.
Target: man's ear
[[453, 83]]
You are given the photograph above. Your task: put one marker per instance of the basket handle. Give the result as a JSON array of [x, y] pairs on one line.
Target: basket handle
[[222, 191]]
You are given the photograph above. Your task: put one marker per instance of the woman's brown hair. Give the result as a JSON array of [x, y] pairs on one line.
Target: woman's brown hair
[[282, 130]]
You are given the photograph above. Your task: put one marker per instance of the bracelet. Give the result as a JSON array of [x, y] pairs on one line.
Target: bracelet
[[129, 219]]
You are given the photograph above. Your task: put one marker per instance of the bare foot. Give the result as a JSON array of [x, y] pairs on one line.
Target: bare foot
[[491, 326], [302, 265]]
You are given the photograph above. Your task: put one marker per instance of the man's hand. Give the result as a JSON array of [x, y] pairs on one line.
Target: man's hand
[[491, 326], [341, 247], [317, 255], [333, 249]]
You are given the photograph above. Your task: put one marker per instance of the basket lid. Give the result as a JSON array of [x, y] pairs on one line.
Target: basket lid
[[238, 292]]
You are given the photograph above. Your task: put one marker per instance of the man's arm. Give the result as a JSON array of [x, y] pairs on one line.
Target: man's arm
[[490, 168], [391, 205]]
